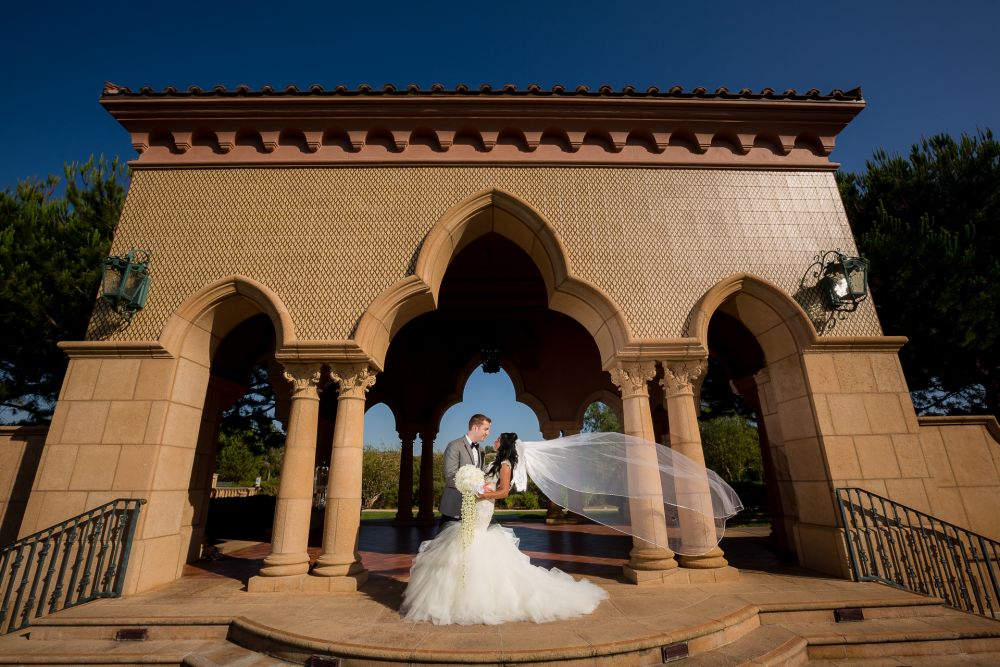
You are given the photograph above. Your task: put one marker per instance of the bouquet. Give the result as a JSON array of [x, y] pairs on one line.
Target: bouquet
[[469, 480]]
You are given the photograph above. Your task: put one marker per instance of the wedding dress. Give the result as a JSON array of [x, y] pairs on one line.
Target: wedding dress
[[489, 580]]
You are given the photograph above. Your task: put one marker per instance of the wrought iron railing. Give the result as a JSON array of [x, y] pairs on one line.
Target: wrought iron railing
[[897, 545], [76, 561]]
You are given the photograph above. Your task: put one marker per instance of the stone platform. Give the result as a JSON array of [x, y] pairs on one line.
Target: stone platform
[[772, 615]]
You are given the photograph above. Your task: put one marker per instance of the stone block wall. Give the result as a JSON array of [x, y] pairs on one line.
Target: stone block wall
[[124, 428], [871, 438], [20, 453], [962, 456]]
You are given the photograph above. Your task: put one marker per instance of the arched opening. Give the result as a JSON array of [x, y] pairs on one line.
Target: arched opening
[[221, 342], [236, 472], [493, 314], [755, 335], [492, 213]]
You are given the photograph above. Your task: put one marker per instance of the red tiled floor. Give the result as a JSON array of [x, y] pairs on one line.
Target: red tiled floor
[[583, 549], [388, 551]]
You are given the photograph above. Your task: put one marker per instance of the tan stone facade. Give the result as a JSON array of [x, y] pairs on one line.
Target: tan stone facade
[[348, 280]]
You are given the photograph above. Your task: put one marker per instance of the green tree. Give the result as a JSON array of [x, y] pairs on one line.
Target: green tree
[[254, 412], [236, 462], [249, 425], [379, 476], [54, 235], [732, 448], [599, 418], [930, 225]]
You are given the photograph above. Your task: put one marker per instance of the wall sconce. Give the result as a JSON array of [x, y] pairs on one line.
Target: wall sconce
[[844, 282], [125, 284]]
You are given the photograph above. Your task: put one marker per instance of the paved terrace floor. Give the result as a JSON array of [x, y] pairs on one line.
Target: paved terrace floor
[[369, 622]]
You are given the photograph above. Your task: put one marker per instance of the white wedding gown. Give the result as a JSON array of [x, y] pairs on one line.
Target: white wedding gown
[[490, 581]]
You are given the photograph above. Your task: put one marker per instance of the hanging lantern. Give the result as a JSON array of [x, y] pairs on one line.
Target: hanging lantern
[[125, 284], [491, 359]]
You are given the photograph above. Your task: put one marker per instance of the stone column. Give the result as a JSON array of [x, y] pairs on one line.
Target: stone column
[[697, 525], [290, 535], [648, 563], [575, 498], [554, 512], [425, 514], [340, 560], [404, 510]]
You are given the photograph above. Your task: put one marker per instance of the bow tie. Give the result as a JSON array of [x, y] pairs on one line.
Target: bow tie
[[475, 444]]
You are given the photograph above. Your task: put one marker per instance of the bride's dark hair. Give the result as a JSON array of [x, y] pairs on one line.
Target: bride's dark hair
[[506, 451]]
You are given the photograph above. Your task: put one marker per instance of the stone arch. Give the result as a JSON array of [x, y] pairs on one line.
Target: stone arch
[[217, 308], [609, 398], [498, 212], [778, 391], [761, 305], [522, 395], [193, 336]]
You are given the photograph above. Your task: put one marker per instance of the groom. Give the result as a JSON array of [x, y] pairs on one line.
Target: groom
[[460, 452]]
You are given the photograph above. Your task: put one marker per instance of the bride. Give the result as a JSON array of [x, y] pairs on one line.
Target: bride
[[473, 571]]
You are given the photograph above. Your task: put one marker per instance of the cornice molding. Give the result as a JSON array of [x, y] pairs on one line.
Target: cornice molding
[[96, 349], [675, 128], [856, 344], [316, 351], [989, 422]]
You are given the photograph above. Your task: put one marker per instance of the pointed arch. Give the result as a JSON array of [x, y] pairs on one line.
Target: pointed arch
[[491, 211], [525, 397], [609, 398], [228, 302], [762, 306]]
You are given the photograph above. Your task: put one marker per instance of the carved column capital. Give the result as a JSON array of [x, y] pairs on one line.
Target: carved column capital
[[681, 377], [353, 381], [304, 379], [632, 378]]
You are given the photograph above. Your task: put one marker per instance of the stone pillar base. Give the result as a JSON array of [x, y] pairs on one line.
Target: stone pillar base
[[333, 570], [706, 561], [304, 583], [680, 576], [422, 520], [285, 565], [403, 519], [651, 558]]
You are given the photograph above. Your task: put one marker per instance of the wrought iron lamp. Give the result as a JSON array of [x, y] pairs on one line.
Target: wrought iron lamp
[[844, 282], [125, 284], [491, 359]]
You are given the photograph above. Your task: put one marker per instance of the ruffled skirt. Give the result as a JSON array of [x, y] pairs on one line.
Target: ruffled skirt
[[490, 582]]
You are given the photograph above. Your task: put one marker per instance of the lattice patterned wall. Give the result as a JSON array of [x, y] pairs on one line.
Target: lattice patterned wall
[[329, 240]]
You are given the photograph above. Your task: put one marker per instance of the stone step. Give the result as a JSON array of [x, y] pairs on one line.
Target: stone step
[[985, 659], [804, 636], [821, 613], [231, 655], [101, 652], [92, 652], [766, 645], [56, 627]]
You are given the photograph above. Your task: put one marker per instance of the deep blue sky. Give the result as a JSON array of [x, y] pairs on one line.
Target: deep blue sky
[[925, 67]]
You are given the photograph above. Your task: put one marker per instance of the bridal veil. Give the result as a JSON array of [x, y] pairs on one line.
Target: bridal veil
[[637, 487]]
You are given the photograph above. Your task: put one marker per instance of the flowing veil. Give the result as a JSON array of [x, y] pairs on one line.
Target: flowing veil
[[637, 487]]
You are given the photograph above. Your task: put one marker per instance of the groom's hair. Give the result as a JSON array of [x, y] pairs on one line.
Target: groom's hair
[[477, 419]]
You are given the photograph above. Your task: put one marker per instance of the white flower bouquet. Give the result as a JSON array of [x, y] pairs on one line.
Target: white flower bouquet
[[469, 480]]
